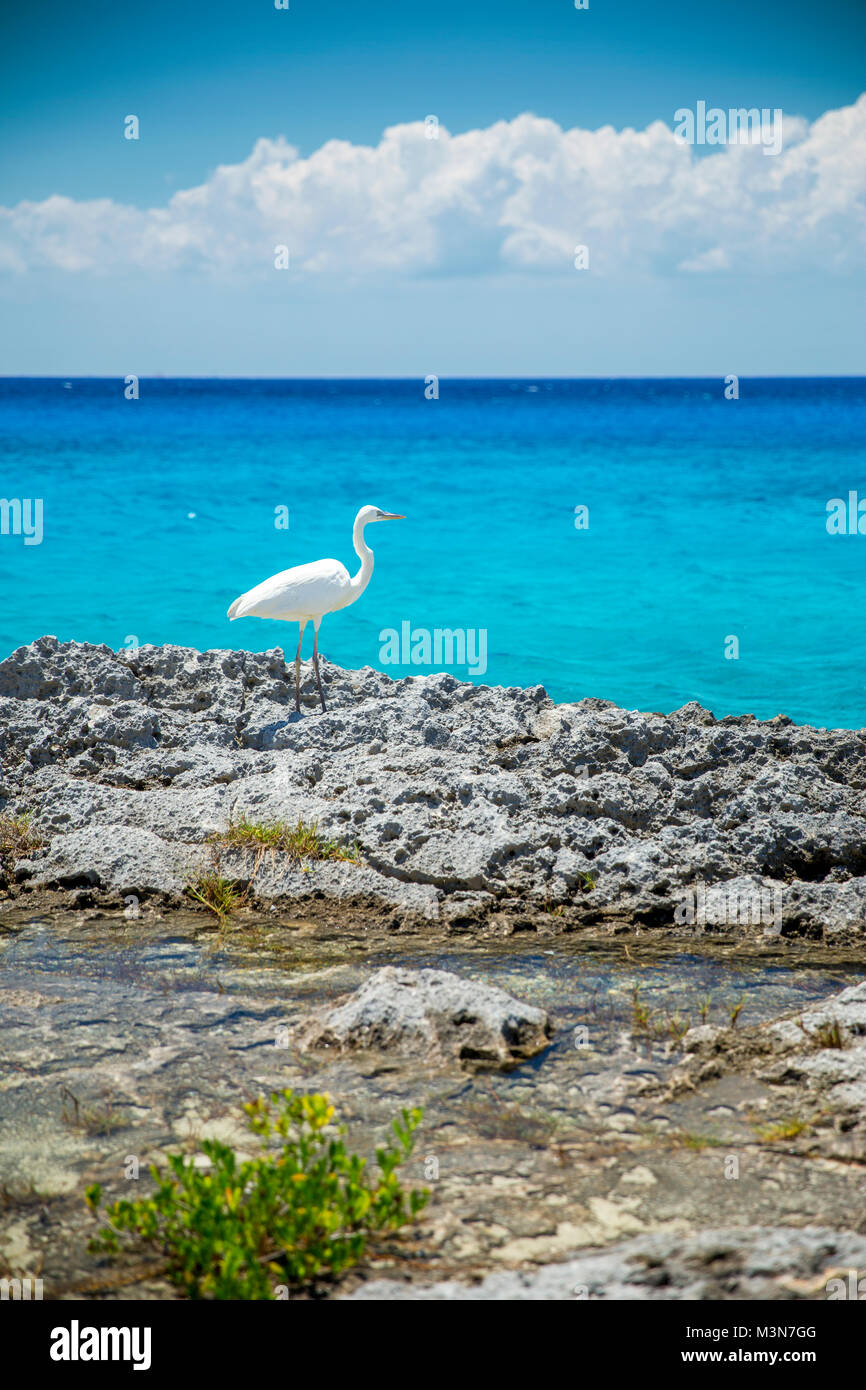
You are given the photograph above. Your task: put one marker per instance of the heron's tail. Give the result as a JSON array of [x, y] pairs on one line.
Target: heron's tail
[[234, 611]]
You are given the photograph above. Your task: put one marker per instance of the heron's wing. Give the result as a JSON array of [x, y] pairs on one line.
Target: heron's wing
[[307, 591]]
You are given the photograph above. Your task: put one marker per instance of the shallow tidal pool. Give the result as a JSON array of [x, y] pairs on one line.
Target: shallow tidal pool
[[137, 1036]]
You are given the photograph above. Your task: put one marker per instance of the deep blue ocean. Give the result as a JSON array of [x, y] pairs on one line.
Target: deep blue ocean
[[706, 522]]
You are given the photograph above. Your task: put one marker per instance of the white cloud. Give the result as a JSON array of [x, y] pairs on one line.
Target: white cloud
[[518, 196], [714, 259]]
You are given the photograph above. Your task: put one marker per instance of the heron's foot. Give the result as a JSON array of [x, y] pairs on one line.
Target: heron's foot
[[319, 680]]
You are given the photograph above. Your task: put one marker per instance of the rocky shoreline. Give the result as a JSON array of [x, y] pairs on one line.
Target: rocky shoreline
[[471, 806], [616, 958]]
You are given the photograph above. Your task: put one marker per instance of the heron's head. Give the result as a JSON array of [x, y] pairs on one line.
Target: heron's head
[[376, 514]]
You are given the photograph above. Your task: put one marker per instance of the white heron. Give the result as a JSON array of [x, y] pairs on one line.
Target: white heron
[[306, 593]]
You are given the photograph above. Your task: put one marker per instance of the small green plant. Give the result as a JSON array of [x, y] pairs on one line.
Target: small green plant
[[641, 1015], [678, 1026], [301, 841], [219, 895], [237, 1229], [553, 909], [734, 1011], [586, 882], [704, 1008], [827, 1034], [654, 1025], [17, 837]]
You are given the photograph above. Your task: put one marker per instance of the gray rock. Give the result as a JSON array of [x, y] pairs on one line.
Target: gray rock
[[127, 860], [737, 1262], [467, 801], [433, 1014], [816, 1058], [825, 1047]]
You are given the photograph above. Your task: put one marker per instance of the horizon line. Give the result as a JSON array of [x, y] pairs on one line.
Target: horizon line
[[456, 376]]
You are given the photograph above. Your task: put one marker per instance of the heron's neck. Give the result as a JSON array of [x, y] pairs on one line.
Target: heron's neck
[[365, 554]]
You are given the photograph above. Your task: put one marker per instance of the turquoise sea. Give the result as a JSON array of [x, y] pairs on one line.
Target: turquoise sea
[[707, 521]]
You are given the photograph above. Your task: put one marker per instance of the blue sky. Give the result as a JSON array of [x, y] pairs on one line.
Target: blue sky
[[210, 80]]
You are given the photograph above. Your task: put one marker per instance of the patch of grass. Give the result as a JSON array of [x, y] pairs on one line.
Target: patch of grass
[[17, 837], [652, 1024], [785, 1129], [586, 882], [301, 841], [219, 895], [305, 842], [248, 834], [238, 1229], [686, 1139]]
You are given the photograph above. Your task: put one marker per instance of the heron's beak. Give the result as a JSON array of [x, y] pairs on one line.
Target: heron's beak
[[391, 516]]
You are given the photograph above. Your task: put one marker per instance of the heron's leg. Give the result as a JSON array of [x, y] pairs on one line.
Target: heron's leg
[[316, 664], [298, 670]]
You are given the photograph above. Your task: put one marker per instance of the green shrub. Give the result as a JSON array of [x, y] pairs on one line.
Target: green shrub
[[236, 1229]]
